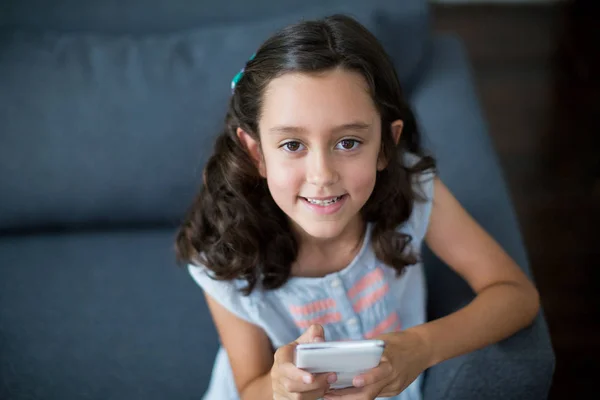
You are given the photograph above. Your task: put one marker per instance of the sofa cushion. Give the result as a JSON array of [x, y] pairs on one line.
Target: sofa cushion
[[101, 316], [113, 128], [151, 16]]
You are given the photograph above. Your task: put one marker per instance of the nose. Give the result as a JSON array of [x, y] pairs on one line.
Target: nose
[[321, 170]]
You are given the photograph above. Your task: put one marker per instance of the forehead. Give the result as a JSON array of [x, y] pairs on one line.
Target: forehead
[[317, 100]]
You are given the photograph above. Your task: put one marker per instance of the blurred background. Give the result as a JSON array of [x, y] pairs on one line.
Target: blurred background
[[536, 65]]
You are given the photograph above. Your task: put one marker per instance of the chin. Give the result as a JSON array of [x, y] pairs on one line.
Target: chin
[[323, 230]]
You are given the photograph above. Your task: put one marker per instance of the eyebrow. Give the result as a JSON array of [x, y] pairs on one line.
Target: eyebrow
[[357, 126]]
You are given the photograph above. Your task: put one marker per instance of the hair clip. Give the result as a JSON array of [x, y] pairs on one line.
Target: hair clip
[[239, 75]]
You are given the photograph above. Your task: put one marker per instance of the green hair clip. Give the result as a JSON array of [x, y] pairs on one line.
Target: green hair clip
[[239, 75]]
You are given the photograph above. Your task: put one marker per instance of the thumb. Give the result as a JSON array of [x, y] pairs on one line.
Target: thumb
[[315, 333]]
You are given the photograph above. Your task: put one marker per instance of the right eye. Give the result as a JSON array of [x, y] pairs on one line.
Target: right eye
[[292, 146]]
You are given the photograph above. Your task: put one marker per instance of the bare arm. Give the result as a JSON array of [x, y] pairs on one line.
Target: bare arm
[[249, 351], [506, 300], [258, 372]]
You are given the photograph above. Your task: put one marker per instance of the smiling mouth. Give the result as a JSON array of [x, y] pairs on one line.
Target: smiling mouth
[[323, 202]]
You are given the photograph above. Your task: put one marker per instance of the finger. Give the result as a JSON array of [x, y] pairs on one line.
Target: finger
[[314, 395], [285, 354], [347, 394], [320, 383], [377, 374], [313, 334], [289, 372], [318, 333], [352, 393]]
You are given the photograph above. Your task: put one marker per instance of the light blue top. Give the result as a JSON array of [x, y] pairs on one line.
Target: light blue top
[[361, 301]]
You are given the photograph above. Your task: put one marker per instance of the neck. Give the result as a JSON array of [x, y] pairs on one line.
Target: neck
[[319, 257]]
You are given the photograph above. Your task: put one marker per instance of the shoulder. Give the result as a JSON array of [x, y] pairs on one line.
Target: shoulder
[[227, 293], [423, 184]]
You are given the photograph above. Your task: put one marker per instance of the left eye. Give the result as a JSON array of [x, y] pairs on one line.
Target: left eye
[[348, 144]]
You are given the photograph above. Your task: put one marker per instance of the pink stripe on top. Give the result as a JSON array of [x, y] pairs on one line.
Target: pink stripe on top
[[366, 281], [371, 298], [322, 320], [390, 322], [314, 307]]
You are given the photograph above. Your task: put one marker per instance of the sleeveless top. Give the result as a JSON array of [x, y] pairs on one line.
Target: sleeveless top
[[363, 300]]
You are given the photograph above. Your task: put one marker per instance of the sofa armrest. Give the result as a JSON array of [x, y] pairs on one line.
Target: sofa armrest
[[449, 114], [520, 367]]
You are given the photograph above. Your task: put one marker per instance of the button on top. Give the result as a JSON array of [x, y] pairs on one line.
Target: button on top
[[335, 283]]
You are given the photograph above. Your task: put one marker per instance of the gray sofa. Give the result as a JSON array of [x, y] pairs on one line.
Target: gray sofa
[[107, 114]]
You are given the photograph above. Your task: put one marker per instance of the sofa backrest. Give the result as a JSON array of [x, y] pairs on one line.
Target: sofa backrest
[[108, 109]]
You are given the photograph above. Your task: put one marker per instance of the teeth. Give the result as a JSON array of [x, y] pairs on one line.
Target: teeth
[[323, 202]]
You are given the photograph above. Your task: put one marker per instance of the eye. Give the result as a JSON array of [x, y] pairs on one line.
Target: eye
[[348, 144], [292, 146]]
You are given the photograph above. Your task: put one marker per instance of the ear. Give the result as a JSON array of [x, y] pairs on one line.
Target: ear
[[253, 148], [397, 126], [396, 129]]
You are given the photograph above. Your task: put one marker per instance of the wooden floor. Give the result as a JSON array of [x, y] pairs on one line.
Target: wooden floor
[[536, 69]]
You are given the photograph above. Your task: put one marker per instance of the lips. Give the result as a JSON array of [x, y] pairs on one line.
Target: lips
[[323, 201]]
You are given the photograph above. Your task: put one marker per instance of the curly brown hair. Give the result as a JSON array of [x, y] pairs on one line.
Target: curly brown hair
[[234, 228]]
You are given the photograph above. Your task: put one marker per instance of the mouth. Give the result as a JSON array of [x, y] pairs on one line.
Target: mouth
[[323, 201]]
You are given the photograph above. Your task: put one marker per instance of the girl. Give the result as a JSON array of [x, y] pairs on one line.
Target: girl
[[309, 225]]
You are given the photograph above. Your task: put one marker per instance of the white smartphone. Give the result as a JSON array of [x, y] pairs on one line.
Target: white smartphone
[[347, 359]]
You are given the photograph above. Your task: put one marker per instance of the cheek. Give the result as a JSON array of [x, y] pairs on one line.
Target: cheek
[[361, 180], [283, 178], [361, 174]]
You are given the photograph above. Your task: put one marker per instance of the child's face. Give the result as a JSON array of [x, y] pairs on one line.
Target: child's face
[[321, 137]]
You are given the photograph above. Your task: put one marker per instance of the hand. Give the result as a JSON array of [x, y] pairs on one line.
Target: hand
[[406, 355], [292, 383]]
